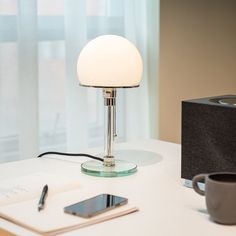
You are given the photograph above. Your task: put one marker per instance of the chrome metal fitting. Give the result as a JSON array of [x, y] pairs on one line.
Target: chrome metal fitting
[[109, 93], [109, 161]]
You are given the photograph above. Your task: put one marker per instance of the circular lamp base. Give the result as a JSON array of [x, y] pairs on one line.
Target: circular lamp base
[[96, 168]]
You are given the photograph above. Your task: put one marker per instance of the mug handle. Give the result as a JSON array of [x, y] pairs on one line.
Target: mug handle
[[195, 180]]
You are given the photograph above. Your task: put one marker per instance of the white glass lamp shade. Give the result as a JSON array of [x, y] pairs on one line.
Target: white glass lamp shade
[[110, 61]]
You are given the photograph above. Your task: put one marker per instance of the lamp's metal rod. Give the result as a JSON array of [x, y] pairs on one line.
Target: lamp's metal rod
[[114, 122], [109, 102], [109, 133]]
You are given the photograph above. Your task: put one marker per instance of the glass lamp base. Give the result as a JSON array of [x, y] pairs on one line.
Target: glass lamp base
[[96, 168]]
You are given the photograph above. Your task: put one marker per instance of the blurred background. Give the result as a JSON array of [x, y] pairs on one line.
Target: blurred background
[[188, 48], [197, 56], [42, 106]]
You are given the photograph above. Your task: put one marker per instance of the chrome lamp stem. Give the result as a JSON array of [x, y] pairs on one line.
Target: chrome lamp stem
[[109, 95], [111, 166]]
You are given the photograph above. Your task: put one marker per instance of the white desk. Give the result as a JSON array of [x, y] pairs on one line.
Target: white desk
[[167, 208]]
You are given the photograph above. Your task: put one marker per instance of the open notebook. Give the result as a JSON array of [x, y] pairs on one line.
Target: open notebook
[[19, 198]]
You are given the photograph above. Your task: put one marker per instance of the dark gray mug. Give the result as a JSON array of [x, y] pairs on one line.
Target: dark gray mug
[[220, 192]]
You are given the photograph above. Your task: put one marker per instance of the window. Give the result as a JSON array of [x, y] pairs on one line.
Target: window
[[42, 106]]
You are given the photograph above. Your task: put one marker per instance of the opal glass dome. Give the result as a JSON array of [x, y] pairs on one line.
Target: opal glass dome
[[110, 61]]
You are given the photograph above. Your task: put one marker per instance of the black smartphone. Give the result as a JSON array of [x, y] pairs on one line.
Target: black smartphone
[[95, 205]]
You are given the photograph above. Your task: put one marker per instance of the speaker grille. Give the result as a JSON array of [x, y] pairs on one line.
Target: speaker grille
[[208, 136]]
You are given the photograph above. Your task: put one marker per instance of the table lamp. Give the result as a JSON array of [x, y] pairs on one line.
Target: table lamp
[[109, 62]]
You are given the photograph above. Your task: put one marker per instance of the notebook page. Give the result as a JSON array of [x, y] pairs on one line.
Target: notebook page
[[30, 186]]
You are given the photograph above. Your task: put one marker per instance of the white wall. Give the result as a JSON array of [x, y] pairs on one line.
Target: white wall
[[197, 56]]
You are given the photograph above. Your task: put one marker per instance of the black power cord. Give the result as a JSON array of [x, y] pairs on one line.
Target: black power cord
[[71, 154]]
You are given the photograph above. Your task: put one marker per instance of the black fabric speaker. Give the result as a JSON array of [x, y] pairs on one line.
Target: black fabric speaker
[[208, 135]]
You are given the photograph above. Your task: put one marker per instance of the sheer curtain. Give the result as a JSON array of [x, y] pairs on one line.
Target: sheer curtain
[[42, 106]]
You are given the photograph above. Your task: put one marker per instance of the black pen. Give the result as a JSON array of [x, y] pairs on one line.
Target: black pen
[[42, 198]]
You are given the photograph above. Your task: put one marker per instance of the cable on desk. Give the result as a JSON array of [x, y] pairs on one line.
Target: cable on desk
[[71, 154]]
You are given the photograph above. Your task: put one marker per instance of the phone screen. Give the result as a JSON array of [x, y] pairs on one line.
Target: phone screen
[[95, 205]]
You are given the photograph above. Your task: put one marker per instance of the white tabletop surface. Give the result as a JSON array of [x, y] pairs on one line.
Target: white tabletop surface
[[167, 208]]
